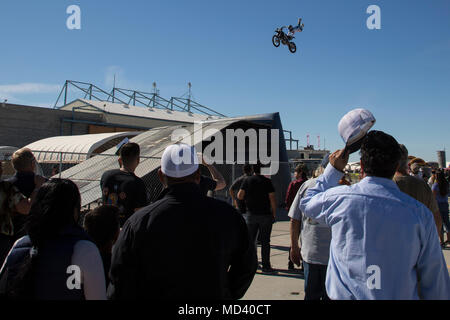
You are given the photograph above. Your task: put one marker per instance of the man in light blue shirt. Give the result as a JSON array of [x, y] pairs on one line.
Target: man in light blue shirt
[[384, 243]]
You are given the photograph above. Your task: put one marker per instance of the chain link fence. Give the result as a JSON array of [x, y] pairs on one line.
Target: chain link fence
[[87, 174]]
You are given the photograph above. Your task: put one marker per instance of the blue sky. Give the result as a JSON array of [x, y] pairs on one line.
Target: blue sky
[[401, 72]]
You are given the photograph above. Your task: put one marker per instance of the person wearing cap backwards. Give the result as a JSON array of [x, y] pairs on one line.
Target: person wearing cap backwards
[[415, 170], [383, 241], [184, 245]]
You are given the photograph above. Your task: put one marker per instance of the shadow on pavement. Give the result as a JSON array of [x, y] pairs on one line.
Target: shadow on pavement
[[284, 273], [281, 248], [282, 215]]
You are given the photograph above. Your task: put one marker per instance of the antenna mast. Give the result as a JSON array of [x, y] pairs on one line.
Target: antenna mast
[[189, 96], [155, 93]]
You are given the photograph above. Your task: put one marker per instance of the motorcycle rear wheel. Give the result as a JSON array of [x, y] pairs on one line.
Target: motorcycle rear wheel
[[292, 47], [276, 41]]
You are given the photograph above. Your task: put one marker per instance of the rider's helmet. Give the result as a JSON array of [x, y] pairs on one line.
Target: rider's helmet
[[290, 27]]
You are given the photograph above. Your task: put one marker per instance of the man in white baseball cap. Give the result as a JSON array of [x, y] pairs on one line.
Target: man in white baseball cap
[[184, 245], [181, 160], [178, 162]]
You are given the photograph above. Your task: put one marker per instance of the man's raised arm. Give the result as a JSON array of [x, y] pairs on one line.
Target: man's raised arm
[[312, 203]]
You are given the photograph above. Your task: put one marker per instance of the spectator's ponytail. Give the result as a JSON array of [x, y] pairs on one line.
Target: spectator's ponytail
[[442, 183]]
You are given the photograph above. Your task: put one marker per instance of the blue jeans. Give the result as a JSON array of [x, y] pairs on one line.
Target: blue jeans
[[263, 225], [315, 275]]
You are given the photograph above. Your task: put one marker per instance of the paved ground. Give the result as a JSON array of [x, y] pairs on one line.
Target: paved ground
[[285, 284]]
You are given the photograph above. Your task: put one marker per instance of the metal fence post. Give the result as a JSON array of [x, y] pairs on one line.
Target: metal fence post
[[232, 173], [60, 164]]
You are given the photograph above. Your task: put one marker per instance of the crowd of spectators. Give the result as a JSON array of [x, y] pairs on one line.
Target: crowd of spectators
[[187, 244]]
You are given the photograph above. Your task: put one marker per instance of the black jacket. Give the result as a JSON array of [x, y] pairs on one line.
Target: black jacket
[[24, 181], [183, 246]]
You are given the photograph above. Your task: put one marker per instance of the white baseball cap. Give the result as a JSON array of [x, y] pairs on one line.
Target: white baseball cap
[[179, 160], [354, 126]]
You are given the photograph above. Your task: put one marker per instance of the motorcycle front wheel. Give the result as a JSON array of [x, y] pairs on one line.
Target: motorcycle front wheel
[[276, 41], [292, 47]]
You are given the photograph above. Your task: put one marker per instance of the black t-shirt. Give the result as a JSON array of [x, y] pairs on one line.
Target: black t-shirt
[[24, 181], [207, 184], [257, 189], [235, 189], [124, 190]]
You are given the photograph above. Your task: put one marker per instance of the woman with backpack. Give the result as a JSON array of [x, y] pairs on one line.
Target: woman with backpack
[[56, 260]]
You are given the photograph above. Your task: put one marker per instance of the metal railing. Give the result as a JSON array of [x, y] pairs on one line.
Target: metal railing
[[90, 91]]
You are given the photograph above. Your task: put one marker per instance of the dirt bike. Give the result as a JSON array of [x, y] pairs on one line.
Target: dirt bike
[[281, 37]]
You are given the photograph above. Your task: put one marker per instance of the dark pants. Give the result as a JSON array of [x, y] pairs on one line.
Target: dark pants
[[315, 275], [443, 209], [263, 224]]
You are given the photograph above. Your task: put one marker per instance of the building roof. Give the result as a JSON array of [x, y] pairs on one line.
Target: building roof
[[75, 149], [84, 105]]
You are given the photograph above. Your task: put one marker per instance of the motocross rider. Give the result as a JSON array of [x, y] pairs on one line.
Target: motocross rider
[[298, 28]]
